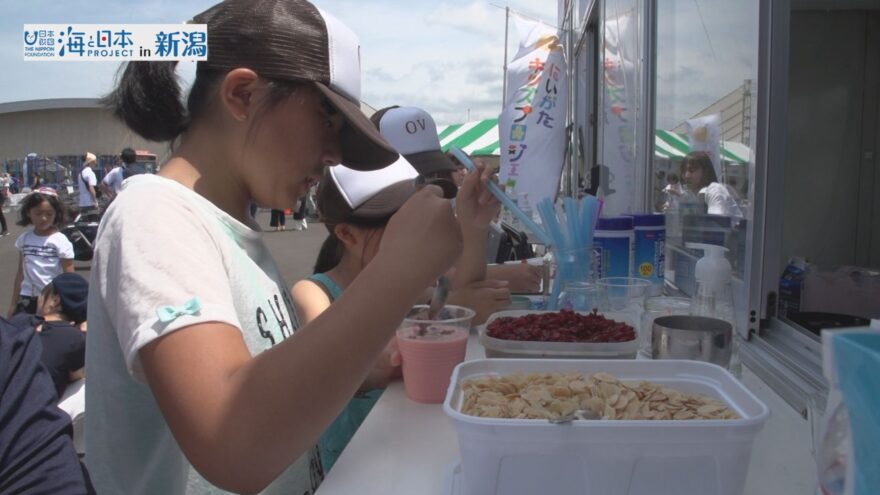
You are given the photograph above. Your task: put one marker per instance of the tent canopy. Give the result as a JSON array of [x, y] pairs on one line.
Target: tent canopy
[[675, 146], [474, 138], [481, 138]]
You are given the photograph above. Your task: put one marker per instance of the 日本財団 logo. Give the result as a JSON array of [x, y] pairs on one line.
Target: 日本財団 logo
[[115, 42]]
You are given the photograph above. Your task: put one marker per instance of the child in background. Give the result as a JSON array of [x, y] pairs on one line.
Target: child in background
[[61, 310], [412, 131], [201, 377], [44, 252], [356, 207]]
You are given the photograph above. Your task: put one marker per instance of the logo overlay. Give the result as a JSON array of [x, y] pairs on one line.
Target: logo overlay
[[115, 42]]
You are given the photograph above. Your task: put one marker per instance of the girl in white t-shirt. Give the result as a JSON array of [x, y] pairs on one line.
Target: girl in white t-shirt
[[701, 179], [44, 251], [200, 378]]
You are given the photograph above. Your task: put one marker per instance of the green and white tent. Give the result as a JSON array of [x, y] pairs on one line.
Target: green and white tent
[[474, 138], [674, 146], [481, 138]]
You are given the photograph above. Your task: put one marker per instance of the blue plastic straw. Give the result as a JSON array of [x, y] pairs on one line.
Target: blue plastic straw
[[506, 201], [551, 223], [589, 215], [576, 240]]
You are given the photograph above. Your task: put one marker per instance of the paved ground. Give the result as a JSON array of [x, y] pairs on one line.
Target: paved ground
[[294, 252]]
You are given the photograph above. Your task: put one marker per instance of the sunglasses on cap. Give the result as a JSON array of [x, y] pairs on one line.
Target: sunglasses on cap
[[450, 190]]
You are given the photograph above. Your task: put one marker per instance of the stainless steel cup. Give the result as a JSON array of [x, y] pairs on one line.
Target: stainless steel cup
[[692, 337]]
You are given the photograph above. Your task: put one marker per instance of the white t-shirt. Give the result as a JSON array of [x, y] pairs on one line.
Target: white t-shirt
[[720, 200], [85, 199], [185, 248], [113, 179], [41, 259]]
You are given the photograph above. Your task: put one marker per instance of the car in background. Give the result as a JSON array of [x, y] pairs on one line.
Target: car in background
[[147, 159]]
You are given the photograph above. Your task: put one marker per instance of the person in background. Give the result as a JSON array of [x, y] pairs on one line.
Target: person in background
[[39, 181], [5, 182], [701, 179], [37, 454], [61, 311], [413, 132], [111, 184], [201, 377], [673, 192], [88, 196], [277, 219], [299, 215], [44, 252], [356, 208]]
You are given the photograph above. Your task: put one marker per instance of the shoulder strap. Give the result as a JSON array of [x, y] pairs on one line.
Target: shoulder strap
[[332, 290]]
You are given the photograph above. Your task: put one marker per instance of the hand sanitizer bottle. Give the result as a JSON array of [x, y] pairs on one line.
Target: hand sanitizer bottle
[[714, 295]]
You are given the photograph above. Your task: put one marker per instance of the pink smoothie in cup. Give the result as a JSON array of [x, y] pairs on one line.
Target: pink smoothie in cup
[[430, 351]]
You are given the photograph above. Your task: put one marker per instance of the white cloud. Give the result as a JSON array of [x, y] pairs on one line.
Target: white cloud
[[446, 57], [473, 18]]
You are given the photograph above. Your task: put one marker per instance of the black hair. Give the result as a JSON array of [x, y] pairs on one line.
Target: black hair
[[35, 199], [332, 249], [701, 160], [330, 254], [128, 156], [148, 98]]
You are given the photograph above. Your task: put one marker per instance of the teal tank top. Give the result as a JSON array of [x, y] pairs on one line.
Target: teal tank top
[[339, 433]]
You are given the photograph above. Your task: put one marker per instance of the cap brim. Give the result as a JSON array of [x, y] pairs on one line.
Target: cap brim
[[431, 162], [363, 147], [387, 201]]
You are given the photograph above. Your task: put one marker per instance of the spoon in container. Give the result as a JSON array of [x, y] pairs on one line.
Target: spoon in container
[[585, 414], [438, 299]]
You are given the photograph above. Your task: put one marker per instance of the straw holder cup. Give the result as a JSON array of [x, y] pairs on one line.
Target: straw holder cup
[[692, 337]]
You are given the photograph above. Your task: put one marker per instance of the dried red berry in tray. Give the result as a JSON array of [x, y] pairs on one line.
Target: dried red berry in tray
[[561, 326]]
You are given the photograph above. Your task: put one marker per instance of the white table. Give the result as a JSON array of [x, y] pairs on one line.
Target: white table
[[408, 448]]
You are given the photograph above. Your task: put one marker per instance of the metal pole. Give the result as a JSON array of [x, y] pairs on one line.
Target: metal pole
[[506, 27]]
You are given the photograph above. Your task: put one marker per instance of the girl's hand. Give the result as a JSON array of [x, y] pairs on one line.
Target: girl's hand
[[523, 277], [423, 236], [484, 297], [475, 206], [386, 369]]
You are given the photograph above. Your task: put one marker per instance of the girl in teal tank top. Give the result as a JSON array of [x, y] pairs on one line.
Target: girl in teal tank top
[[355, 208]]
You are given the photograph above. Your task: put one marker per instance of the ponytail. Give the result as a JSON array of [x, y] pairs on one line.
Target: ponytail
[[148, 99], [330, 255]]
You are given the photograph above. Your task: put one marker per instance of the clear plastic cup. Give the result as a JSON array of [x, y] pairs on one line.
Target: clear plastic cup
[[567, 266], [580, 296], [623, 294], [430, 350], [624, 297]]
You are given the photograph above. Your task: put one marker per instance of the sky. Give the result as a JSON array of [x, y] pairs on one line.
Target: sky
[[445, 57], [705, 50]]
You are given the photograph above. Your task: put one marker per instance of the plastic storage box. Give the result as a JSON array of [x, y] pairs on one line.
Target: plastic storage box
[[502, 348], [608, 457]]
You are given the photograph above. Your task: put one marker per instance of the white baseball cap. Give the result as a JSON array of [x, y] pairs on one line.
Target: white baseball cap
[[413, 134], [346, 193]]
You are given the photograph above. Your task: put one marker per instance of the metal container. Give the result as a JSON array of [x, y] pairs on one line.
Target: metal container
[[692, 337]]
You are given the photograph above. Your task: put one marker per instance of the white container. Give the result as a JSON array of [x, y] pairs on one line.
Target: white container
[[613, 243], [502, 348], [608, 457]]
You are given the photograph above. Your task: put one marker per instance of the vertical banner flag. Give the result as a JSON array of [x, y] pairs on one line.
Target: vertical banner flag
[[704, 134], [618, 158], [531, 126]]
